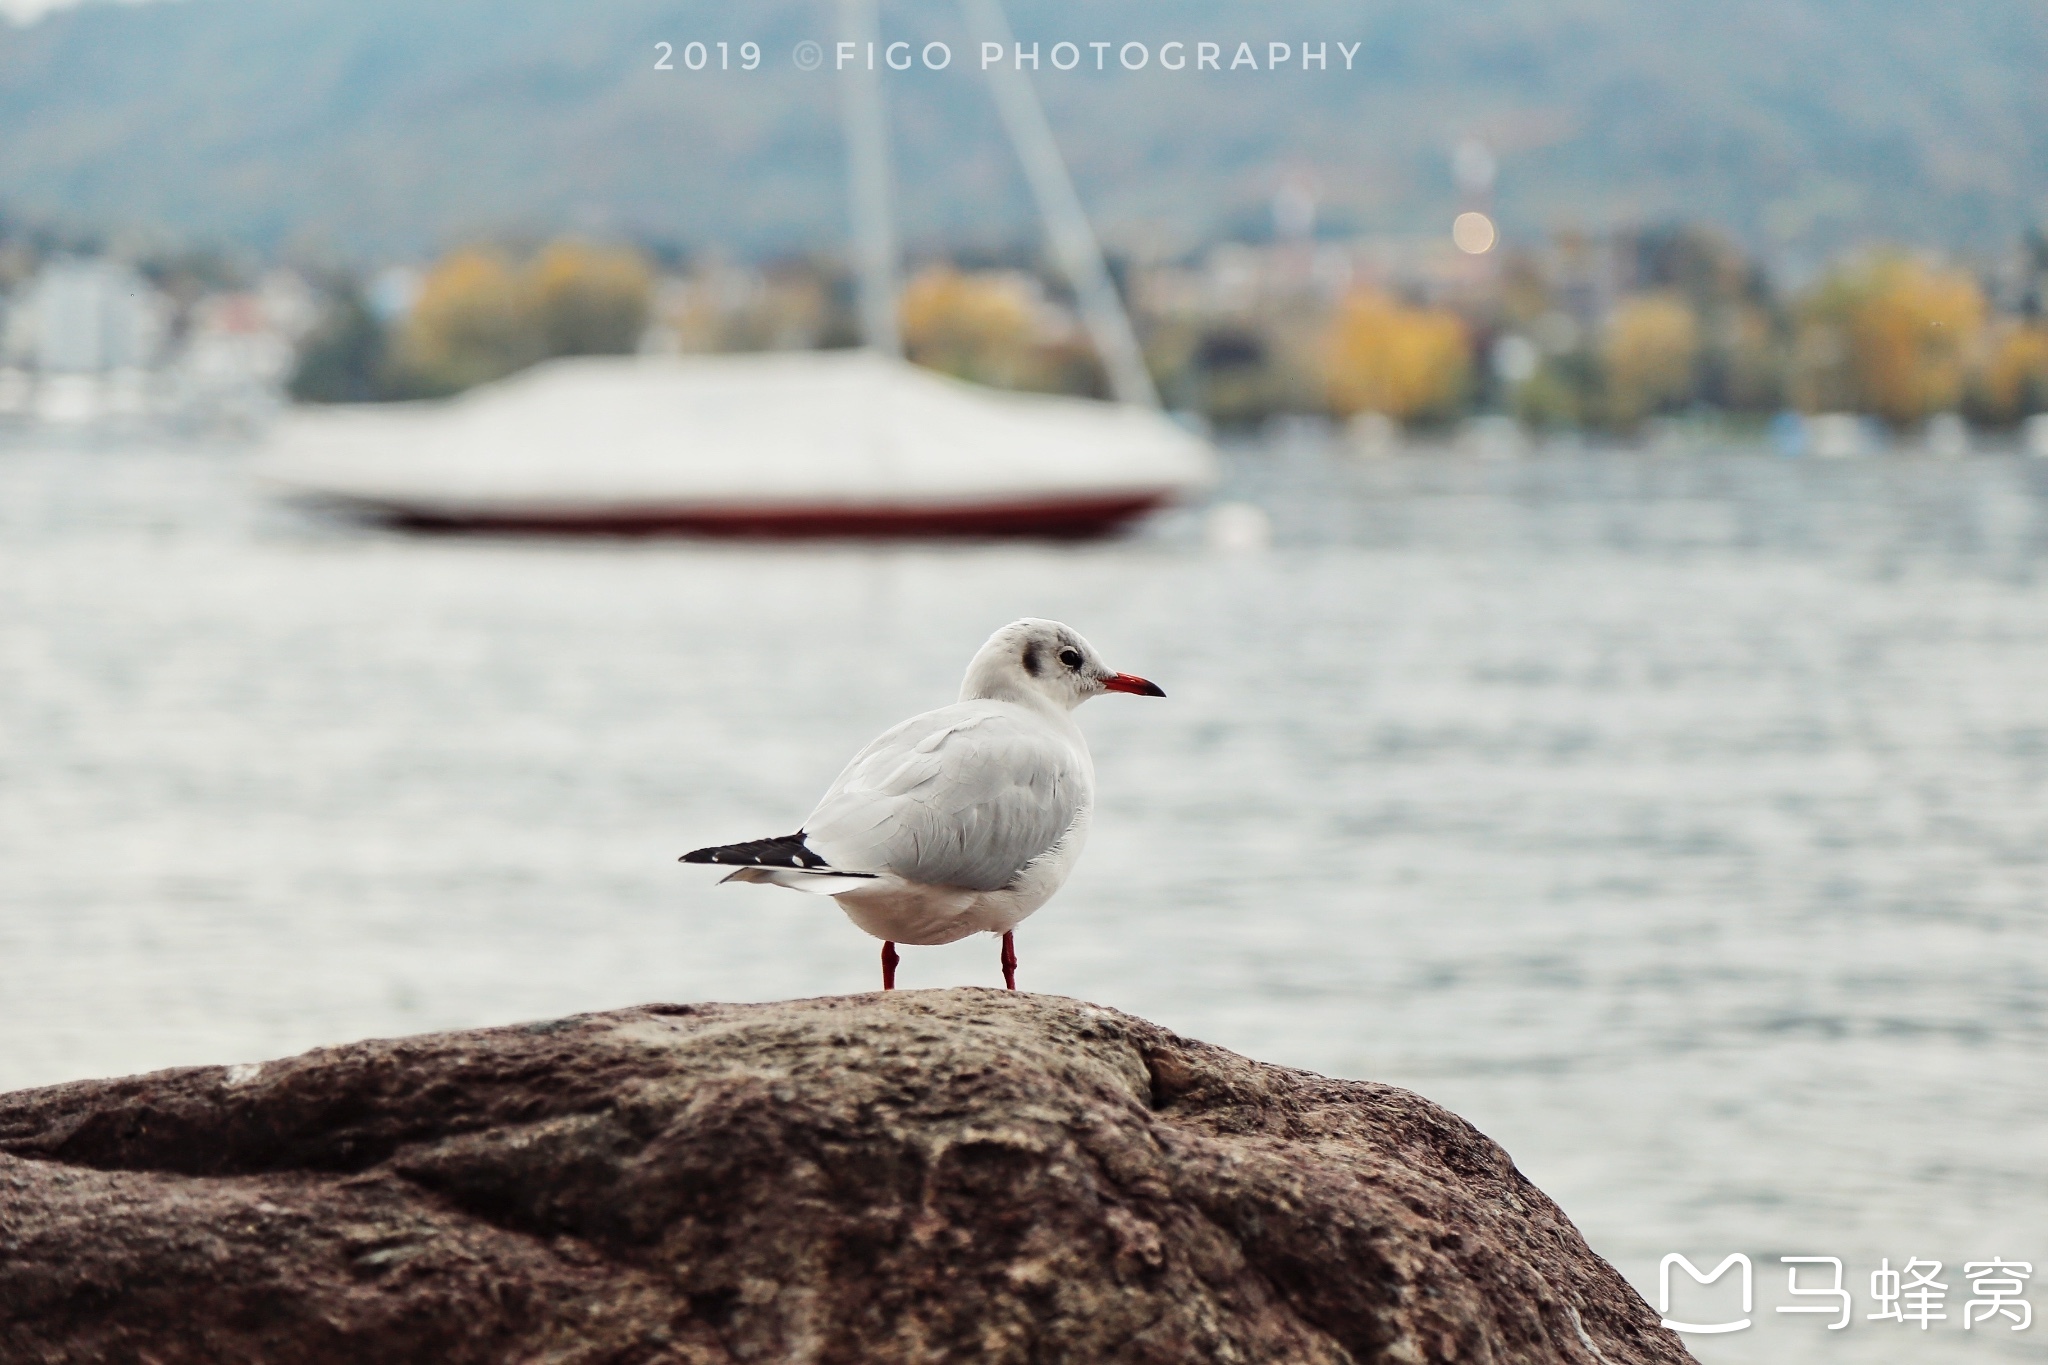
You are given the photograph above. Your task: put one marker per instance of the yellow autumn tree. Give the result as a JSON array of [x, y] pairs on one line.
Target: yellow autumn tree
[[589, 300], [1381, 355], [1648, 353], [2015, 377], [469, 324], [480, 315], [979, 326], [1892, 335]]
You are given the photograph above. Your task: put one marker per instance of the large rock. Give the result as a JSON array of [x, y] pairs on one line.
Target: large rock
[[924, 1176]]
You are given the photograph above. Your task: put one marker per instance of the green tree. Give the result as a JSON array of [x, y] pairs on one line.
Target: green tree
[[343, 359]]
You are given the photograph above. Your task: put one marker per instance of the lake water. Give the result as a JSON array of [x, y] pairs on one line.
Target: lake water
[[1681, 822]]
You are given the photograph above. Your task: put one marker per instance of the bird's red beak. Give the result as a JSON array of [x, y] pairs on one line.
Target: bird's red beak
[[1133, 684]]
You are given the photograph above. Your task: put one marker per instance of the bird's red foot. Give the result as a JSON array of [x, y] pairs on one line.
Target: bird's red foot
[[1009, 960], [889, 960]]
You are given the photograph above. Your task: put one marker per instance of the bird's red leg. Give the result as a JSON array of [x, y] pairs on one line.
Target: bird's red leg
[[889, 960], [1009, 960]]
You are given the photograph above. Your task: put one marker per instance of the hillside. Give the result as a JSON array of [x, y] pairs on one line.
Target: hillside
[[379, 126]]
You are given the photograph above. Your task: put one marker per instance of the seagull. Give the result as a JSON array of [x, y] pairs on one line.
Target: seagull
[[962, 820]]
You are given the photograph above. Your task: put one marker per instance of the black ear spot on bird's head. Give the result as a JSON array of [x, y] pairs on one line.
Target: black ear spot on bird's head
[[1034, 663]]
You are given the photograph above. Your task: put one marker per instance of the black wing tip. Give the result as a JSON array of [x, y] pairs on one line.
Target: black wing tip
[[787, 850]]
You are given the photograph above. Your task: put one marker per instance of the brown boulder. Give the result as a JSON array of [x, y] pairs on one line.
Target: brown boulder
[[963, 1175]]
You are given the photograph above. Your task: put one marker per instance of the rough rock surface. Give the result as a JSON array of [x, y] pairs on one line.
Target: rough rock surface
[[960, 1175]]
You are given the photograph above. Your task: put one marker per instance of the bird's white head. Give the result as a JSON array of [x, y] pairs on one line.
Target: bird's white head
[[1043, 661]]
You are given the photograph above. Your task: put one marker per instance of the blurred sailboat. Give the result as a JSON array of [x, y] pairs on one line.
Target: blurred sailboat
[[793, 443]]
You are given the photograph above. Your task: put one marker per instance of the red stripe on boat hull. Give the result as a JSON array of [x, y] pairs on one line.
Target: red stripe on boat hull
[[1056, 518]]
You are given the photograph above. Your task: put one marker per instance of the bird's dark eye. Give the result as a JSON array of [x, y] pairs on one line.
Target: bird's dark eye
[[1071, 658]]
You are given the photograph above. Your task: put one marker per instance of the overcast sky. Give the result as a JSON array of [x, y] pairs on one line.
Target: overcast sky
[[21, 11]]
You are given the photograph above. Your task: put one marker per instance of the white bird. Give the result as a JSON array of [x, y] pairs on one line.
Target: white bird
[[962, 820]]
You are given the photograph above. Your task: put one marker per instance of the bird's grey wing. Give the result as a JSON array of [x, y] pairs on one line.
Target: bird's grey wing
[[956, 797]]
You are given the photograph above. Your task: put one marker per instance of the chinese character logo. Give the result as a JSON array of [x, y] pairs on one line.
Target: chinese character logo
[[1838, 1296], [1909, 1295], [1997, 1286]]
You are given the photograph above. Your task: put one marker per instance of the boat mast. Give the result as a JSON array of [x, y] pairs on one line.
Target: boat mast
[[867, 165], [1066, 222]]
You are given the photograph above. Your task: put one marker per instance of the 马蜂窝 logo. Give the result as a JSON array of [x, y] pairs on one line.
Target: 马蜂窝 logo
[[1910, 1296]]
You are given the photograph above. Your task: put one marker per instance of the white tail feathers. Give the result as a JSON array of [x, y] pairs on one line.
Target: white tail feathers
[[822, 881]]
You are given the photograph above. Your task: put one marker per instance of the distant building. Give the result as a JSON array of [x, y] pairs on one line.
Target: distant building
[[86, 317], [92, 341]]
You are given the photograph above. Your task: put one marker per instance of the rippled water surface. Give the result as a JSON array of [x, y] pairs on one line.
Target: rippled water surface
[[1679, 822]]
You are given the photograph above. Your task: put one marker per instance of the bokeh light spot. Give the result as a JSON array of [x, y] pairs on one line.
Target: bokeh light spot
[[1473, 232]]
